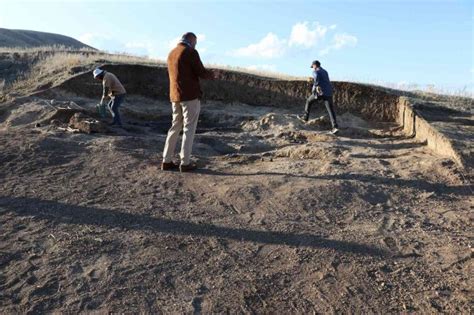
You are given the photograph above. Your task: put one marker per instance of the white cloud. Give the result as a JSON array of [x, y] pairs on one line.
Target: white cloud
[[87, 38], [148, 48], [340, 40], [102, 42], [172, 43], [268, 47], [138, 44], [304, 35], [142, 47], [261, 67]]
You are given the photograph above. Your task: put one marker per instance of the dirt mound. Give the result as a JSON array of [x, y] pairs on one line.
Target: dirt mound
[[348, 120], [309, 151], [86, 124], [275, 123], [31, 112], [28, 114], [290, 125]]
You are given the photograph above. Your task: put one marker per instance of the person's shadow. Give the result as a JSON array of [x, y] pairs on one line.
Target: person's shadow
[[72, 214]]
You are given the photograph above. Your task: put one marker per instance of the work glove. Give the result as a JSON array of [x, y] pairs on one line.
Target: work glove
[[319, 91]]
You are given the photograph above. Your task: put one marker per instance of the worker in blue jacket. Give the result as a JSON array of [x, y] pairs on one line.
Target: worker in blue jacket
[[321, 91]]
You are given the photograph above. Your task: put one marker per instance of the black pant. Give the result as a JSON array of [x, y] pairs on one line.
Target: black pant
[[113, 106], [327, 102]]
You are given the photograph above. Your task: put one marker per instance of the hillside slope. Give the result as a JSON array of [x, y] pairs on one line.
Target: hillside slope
[[26, 38]]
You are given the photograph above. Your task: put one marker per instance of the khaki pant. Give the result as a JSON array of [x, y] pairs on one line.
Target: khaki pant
[[185, 117]]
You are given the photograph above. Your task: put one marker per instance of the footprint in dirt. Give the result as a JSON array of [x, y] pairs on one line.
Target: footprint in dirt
[[94, 274], [196, 303], [197, 300], [390, 242], [99, 269], [387, 223], [46, 288]]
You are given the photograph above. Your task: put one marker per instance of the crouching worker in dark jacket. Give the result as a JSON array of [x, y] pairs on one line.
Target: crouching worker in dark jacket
[[321, 92], [113, 89]]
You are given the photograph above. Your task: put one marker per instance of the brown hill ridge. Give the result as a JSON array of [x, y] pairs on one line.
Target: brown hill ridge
[[28, 39]]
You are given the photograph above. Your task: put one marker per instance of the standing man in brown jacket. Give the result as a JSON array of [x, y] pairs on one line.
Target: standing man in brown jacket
[[184, 69]]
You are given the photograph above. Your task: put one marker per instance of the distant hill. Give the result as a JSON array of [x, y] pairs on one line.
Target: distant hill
[[27, 39]]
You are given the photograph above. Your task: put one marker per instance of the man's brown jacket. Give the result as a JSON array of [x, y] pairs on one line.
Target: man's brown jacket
[[184, 69]]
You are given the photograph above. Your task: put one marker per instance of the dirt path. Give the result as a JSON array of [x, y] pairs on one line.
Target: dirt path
[[281, 218]]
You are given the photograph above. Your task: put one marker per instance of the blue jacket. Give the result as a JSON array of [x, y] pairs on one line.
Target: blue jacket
[[321, 79]]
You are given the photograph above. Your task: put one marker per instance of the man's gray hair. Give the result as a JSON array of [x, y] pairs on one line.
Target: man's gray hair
[[189, 36]]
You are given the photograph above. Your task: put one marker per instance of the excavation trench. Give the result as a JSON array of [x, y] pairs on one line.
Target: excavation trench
[[376, 106]]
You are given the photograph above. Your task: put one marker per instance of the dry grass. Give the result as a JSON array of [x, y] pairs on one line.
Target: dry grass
[[66, 60], [428, 90], [53, 63], [44, 49], [260, 73], [459, 99], [54, 57]]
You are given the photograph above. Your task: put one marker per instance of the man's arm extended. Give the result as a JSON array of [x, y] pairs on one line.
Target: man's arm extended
[[198, 67], [315, 89], [104, 92]]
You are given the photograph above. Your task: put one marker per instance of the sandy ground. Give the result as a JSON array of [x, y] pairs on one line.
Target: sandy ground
[[282, 217]]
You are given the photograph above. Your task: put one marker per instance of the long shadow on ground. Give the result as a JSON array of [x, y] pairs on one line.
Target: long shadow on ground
[[72, 214], [440, 188]]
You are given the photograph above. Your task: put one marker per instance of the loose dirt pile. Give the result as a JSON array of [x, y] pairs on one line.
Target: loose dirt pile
[[282, 217]]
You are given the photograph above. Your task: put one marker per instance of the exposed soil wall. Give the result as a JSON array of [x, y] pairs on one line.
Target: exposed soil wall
[[415, 125], [370, 102], [230, 86], [12, 65]]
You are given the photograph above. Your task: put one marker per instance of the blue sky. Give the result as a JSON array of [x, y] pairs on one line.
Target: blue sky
[[401, 42]]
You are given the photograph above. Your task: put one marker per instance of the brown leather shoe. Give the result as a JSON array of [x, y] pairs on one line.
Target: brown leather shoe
[[169, 166], [187, 168]]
